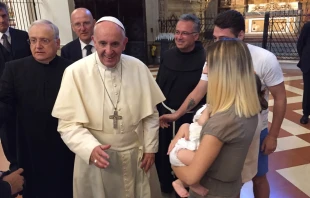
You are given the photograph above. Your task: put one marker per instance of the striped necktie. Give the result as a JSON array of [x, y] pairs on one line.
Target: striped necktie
[[6, 43]]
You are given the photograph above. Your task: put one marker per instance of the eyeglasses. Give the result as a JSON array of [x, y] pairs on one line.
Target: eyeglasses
[[184, 33], [85, 24], [43, 41]]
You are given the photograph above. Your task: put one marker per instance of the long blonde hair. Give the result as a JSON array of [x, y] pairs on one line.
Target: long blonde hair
[[231, 78]]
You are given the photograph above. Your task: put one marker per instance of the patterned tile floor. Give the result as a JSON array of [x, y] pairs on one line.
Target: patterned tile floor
[[289, 174]]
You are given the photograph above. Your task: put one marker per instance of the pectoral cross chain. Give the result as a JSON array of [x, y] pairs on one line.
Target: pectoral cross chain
[[115, 118]]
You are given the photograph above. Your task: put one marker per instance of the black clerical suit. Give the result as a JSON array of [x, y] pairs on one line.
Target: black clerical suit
[[19, 49], [31, 89], [72, 50], [303, 48], [178, 75]]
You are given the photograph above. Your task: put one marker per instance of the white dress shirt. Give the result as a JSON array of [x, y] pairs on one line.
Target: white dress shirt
[[84, 50], [8, 35]]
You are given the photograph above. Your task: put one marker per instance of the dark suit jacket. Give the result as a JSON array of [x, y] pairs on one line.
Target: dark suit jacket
[[19, 46], [72, 51], [19, 49], [5, 189], [303, 48]]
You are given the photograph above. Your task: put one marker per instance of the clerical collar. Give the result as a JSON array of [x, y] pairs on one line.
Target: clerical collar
[[105, 67], [49, 63], [84, 44]]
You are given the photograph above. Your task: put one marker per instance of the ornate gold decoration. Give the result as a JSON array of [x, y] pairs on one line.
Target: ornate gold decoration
[[272, 7], [10, 9]]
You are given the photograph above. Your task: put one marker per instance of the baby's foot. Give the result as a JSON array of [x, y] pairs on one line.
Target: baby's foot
[[199, 189], [179, 188]]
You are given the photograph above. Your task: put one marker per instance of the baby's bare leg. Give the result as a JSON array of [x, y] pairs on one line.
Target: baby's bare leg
[[179, 188], [186, 156], [199, 189]]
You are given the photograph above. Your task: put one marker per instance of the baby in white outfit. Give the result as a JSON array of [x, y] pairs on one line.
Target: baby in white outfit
[[184, 158], [194, 139]]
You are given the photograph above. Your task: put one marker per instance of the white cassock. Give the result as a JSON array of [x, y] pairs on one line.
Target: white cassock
[[83, 108]]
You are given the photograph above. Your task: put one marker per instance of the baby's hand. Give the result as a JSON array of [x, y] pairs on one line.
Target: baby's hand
[[171, 145]]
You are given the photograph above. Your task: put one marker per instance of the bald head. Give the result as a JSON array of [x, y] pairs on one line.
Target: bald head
[[81, 11], [82, 23]]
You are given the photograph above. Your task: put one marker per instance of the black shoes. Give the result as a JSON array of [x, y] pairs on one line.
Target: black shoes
[[304, 119]]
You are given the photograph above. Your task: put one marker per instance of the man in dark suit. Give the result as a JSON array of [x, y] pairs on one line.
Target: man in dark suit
[[13, 45], [13, 42], [82, 23], [303, 48]]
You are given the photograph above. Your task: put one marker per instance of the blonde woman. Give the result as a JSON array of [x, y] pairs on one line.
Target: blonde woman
[[227, 135]]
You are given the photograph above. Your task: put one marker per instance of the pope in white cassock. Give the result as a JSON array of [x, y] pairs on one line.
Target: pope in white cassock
[[107, 115]]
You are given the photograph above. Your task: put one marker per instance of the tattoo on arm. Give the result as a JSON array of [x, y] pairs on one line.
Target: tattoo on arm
[[191, 104]]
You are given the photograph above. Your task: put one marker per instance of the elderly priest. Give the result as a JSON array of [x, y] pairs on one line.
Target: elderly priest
[[107, 115], [28, 88]]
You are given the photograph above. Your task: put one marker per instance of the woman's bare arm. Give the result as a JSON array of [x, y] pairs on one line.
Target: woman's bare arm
[[208, 150]]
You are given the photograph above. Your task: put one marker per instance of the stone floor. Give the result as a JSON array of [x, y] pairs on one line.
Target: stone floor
[[289, 166]]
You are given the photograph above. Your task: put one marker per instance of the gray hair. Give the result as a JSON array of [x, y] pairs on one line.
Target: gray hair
[[46, 22], [4, 7], [192, 18]]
